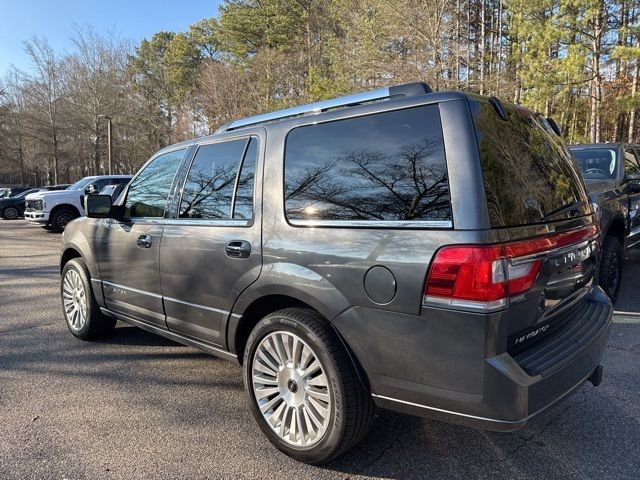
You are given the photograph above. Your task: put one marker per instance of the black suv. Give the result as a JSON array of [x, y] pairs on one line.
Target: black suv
[[612, 174], [432, 253]]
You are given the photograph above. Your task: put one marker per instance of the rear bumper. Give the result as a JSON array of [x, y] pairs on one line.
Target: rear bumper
[[36, 216], [440, 369]]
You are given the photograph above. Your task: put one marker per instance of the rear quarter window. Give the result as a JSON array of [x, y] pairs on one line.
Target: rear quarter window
[[383, 167], [529, 175]]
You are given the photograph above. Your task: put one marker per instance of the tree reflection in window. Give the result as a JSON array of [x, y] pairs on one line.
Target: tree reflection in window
[[528, 174], [243, 207], [208, 191], [388, 166], [147, 195]]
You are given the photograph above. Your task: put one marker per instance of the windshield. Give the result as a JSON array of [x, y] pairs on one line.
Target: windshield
[[25, 193], [596, 163], [80, 184]]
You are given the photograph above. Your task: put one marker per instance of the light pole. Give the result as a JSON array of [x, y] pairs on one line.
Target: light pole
[[108, 140]]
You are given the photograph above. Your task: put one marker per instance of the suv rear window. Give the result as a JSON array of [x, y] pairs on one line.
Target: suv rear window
[[529, 175], [383, 167]]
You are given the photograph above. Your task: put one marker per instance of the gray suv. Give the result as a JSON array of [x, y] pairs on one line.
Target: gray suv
[[431, 253]]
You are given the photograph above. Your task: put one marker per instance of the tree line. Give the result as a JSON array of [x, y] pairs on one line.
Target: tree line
[[575, 60]]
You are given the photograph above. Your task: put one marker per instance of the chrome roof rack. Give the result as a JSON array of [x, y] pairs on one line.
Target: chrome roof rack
[[386, 93]]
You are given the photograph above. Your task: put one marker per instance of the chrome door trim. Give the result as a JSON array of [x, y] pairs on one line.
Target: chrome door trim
[[374, 223], [229, 222], [124, 287], [195, 305]]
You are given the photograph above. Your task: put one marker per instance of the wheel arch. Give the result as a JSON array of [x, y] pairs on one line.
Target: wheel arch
[[64, 206], [73, 250], [69, 253], [240, 326], [616, 228]]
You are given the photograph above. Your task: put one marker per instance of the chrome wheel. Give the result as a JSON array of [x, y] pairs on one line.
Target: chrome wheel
[[291, 389], [74, 300]]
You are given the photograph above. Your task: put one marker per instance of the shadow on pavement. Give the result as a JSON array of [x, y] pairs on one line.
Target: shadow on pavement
[[129, 335], [629, 295]]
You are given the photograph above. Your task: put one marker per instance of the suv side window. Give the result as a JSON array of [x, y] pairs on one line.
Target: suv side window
[[147, 195], [631, 166], [383, 167], [213, 177]]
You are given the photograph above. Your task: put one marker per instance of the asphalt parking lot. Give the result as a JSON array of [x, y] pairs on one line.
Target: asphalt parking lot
[[138, 406]]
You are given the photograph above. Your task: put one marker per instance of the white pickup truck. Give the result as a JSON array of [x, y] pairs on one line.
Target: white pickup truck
[[56, 209]]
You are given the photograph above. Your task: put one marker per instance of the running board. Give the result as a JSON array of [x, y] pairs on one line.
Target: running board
[[176, 337]]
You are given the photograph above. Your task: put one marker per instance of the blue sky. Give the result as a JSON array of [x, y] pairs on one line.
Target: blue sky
[[54, 19]]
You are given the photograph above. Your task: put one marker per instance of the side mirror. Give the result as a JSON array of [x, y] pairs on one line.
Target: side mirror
[[99, 206], [91, 190]]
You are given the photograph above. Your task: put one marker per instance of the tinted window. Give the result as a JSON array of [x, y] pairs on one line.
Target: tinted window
[[208, 190], [244, 193], [147, 195], [118, 181], [388, 166], [596, 163], [630, 162], [529, 175], [100, 184]]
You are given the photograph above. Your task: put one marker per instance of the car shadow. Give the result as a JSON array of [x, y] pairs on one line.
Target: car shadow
[[629, 294], [125, 334]]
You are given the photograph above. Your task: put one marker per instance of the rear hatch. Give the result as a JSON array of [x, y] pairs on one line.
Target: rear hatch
[[539, 206]]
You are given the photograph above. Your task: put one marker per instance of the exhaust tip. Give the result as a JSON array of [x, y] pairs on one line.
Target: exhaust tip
[[596, 376]]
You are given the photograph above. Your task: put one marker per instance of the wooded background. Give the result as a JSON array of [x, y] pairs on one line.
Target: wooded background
[[575, 60]]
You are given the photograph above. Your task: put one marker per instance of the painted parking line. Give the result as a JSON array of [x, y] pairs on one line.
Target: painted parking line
[[626, 317]]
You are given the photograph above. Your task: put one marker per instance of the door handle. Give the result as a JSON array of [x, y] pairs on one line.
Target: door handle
[[144, 241], [238, 249]]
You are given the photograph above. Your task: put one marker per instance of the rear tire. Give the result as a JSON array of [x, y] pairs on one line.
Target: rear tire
[[11, 213], [81, 311], [303, 389], [61, 218], [611, 266]]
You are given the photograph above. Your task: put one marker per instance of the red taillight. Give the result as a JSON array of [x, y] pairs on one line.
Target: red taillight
[[484, 276], [467, 273]]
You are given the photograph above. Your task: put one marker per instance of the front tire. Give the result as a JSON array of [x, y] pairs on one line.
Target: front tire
[[61, 218], [81, 311], [303, 388], [11, 213], [611, 266]]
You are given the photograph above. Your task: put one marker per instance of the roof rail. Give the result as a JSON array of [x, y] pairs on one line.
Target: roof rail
[[406, 90]]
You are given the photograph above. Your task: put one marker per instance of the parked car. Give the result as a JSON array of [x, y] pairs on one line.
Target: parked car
[[431, 253], [57, 209], [612, 175], [9, 192], [12, 208]]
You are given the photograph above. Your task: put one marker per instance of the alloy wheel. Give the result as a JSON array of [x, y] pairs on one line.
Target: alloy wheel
[[291, 389], [11, 213], [74, 300], [63, 220]]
